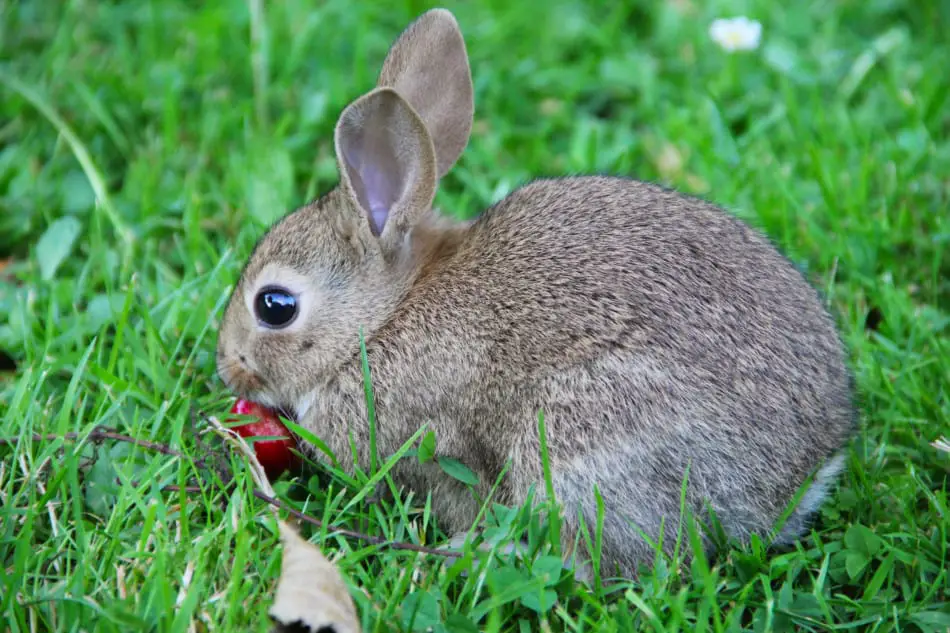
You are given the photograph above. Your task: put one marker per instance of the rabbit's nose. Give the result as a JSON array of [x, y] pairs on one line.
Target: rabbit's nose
[[245, 381]]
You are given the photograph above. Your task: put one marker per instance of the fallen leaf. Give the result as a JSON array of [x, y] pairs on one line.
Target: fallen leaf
[[311, 595]]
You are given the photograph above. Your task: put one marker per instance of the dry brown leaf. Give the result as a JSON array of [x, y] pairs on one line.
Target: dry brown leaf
[[311, 595]]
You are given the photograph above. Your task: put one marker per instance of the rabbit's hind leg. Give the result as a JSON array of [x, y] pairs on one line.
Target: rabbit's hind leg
[[641, 517]]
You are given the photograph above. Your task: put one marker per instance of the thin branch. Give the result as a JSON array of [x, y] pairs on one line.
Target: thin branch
[[375, 540], [188, 489], [98, 434]]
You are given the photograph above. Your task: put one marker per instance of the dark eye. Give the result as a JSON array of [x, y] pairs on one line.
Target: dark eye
[[275, 307]]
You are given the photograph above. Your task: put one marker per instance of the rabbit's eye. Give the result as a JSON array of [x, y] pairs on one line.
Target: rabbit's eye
[[275, 307]]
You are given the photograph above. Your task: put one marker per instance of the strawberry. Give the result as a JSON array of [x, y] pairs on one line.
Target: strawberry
[[274, 455]]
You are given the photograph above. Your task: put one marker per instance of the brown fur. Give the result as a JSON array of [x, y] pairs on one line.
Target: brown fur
[[655, 331]]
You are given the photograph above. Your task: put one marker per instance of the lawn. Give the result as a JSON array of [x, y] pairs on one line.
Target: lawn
[[146, 145]]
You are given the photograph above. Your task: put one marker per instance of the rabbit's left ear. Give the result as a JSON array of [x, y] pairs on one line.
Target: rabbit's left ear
[[387, 162], [428, 67]]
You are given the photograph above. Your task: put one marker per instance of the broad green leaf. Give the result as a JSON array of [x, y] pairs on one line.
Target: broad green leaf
[[56, 244], [854, 563], [458, 470], [540, 601], [547, 569], [458, 623], [78, 195], [426, 448], [862, 539], [420, 610], [507, 576]]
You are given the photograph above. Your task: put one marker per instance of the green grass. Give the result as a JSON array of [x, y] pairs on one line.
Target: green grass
[[831, 137]]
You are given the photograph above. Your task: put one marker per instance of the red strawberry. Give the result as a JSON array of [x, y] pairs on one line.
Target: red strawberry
[[274, 455]]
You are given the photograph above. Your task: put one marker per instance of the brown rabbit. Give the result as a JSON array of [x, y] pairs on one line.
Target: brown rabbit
[[657, 333]]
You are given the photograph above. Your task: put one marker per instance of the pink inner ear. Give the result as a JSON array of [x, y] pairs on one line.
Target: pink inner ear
[[379, 191], [378, 215]]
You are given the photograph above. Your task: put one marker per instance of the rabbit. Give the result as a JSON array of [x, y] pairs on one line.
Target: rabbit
[[663, 339]]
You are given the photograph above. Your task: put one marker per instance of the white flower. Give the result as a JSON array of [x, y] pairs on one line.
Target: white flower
[[736, 34]]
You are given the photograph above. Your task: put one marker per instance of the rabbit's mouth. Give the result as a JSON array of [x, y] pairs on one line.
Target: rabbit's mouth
[[239, 378]]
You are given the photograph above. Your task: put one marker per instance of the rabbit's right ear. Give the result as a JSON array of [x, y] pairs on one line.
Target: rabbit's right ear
[[428, 67], [387, 163]]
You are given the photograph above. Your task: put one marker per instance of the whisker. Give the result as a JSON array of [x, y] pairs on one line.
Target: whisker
[[287, 412], [238, 377]]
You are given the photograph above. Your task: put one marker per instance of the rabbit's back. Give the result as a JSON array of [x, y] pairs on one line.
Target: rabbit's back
[[563, 271], [657, 333]]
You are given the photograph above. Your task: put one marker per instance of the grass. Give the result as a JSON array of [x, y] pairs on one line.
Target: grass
[[145, 145]]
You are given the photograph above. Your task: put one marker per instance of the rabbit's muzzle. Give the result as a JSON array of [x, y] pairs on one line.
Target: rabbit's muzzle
[[238, 376]]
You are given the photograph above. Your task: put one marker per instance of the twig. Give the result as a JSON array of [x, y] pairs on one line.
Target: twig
[[173, 488], [375, 540], [97, 434]]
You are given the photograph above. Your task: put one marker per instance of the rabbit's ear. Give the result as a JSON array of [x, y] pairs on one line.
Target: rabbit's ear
[[386, 160], [428, 67]]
